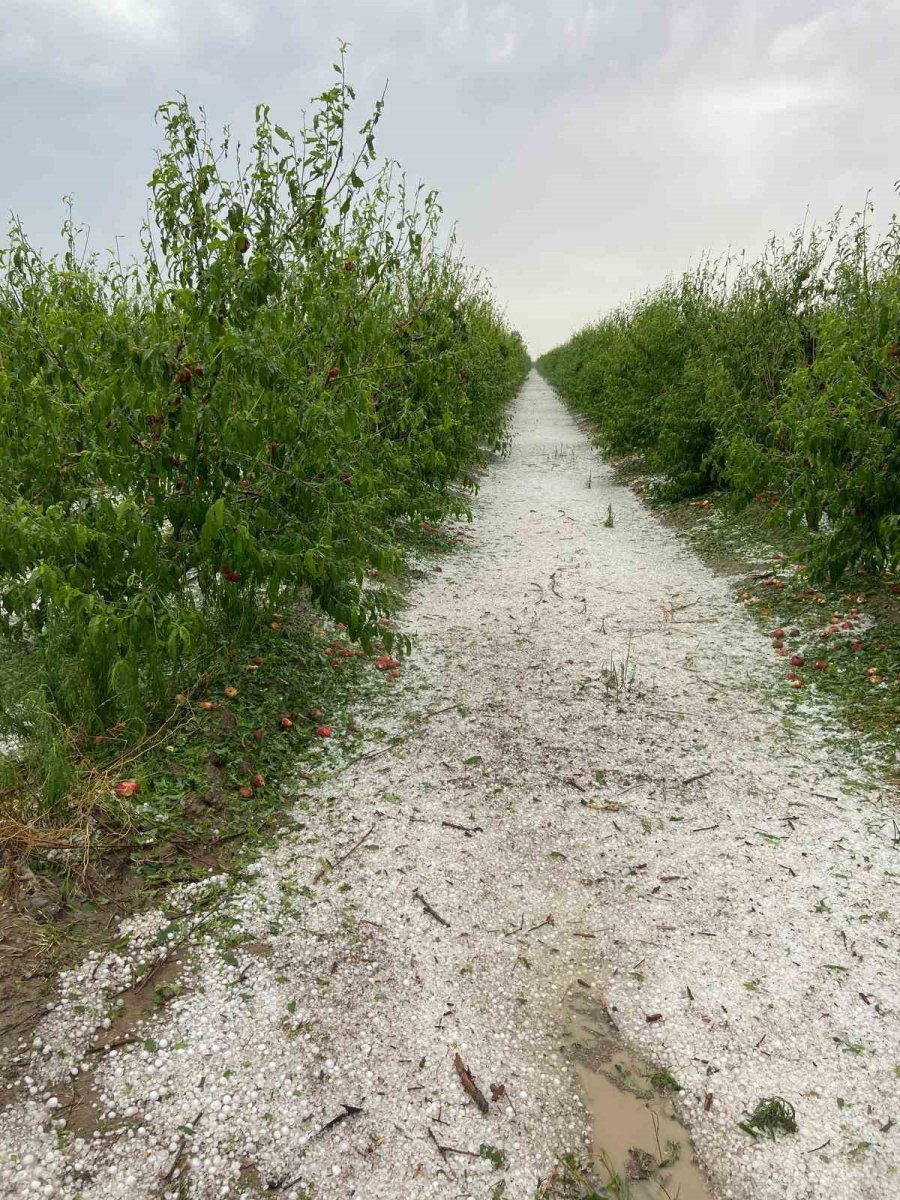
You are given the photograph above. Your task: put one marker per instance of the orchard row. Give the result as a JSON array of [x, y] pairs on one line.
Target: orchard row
[[295, 375], [777, 379]]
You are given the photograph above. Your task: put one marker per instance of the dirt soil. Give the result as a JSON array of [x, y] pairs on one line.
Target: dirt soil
[[598, 787]]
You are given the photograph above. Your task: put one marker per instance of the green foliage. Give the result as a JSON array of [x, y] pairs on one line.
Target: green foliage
[[770, 1116], [664, 1081], [294, 376], [495, 1156], [778, 379]]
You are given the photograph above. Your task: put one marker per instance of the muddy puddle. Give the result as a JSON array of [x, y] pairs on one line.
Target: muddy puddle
[[637, 1138], [134, 1013]]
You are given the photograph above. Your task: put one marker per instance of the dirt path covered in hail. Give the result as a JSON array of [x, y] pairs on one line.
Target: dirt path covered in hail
[[599, 801]]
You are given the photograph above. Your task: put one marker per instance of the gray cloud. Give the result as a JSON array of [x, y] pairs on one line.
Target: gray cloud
[[585, 148]]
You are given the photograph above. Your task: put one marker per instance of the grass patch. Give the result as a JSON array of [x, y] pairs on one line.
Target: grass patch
[[770, 1117], [576, 1179], [664, 1081]]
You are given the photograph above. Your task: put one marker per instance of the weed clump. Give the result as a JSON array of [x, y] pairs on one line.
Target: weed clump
[[664, 1081], [771, 1116]]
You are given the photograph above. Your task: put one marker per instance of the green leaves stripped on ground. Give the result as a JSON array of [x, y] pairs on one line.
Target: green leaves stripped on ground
[[770, 1116]]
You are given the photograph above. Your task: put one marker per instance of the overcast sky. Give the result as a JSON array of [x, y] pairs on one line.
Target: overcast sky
[[585, 148]]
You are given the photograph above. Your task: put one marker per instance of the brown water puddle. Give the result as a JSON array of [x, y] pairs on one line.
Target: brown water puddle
[[637, 1136]]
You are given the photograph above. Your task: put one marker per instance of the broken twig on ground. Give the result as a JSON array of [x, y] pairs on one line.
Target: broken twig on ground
[[470, 1086], [431, 912]]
